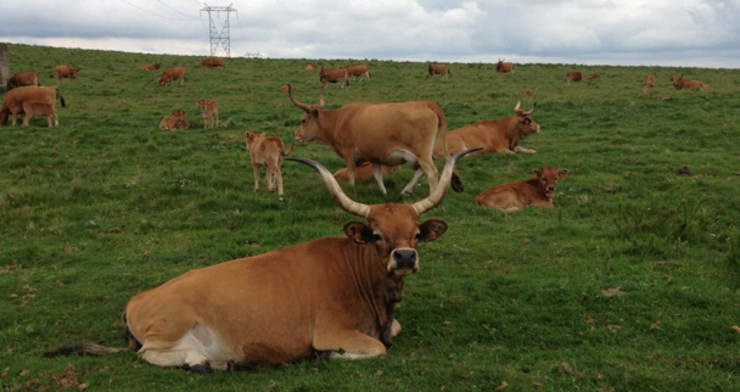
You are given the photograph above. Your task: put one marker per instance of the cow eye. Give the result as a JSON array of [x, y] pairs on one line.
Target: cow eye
[[377, 238], [417, 237], [527, 122], [303, 121]]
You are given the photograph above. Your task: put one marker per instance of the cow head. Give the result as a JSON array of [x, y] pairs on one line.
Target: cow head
[[522, 121], [676, 80], [391, 230], [4, 117], [156, 66], [499, 64], [548, 179], [182, 122], [310, 127], [72, 72], [253, 137]]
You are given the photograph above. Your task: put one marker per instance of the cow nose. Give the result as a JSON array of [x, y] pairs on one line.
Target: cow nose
[[405, 258], [551, 188]]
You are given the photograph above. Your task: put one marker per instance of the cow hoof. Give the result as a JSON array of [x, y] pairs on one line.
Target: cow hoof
[[324, 355], [457, 184], [239, 366], [388, 342], [202, 369]]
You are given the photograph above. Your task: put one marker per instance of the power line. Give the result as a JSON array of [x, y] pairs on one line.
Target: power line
[[152, 13], [160, 2]]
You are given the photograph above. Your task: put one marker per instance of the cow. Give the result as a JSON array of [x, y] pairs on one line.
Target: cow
[[209, 112], [21, 79], [362, 172], [267, 152], [172, 74], [363, 71], [502, 67], [331, 298], [648, 82], [213, 63], [334, 76], [537, 192], [593, 77], [14, 99], [65, 71], [680, 83], [47, 110], [176, 121], [381, 133], [311, 67], [438, 70], [494, 136], [150, 67], [573, 76], [528, 93]]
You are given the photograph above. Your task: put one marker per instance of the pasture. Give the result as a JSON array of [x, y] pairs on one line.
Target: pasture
[[630, 284]]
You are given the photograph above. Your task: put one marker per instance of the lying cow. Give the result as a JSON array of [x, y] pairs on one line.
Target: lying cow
[[44, 109], [362, 172], [311, 67], [329, 298], [65, 71], [14, 100], [267, 152], [361, 71], [502, 67], [172, 74], [680, 83], [176, 121], [593, 77], [574, 76], [209, 112], [537, 192], [21, 79], [438, 70], [150, 67], [212, 63], [648, 82], [334, 76]]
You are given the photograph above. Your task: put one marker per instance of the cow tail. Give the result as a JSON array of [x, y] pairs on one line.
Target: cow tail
[[282, 148], [61, 97], [97, 349], [457, 184]]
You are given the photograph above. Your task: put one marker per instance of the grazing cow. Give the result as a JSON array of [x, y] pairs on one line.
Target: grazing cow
[[593, 77], [176, 121], [573, 76], [438, 70], [537, 192], [311, 67], [31, 108], [267, 152], [172, 74], [328, 298], [648, 82], [209, 111], [14, 99], [334, 76], [494, 136], [381, 133], [680, 83], [362, 172], [150, 67], [363, 71], [21, 79], [502, 67], [65, 71], [213, 63]]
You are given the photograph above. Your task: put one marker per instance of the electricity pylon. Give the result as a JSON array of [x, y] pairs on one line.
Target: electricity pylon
[[224, 37]]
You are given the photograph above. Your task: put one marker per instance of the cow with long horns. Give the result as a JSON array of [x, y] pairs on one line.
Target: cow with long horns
[[502, 67]]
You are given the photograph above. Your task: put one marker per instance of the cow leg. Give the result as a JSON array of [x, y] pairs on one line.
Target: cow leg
[[188, 359], [205, 122], [350, 161], [270, 177], [26, 118], [256, 172], [182, 81], [410, 186], [378, 173], [56, 119], [524, 150], [432, 174], [48, 119], [349, 345], [215, 115]]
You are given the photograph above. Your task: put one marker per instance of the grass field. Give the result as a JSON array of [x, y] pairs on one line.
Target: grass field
[[105, 206]]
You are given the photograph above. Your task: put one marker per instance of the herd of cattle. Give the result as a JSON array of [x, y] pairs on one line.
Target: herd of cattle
[[332, 297]]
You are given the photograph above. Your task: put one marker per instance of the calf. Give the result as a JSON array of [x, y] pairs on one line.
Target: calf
[[65, 71], [311, 67], [21, 79], [209, 111], [14, 100], [438, 70], [150, 67], [648, 82], [334, 76], [362, 172], [537, 192], [37, 108], [170, 75], [176, 121], [574, 76], [680, 83], [267, 152]]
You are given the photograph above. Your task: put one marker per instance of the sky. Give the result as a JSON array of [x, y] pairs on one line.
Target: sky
[[690, 33]]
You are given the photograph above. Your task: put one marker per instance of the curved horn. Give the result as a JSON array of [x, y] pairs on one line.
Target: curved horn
[[530, 110], [518, 102], [321, 97], [440, 191], [347, 204], [296, 103]]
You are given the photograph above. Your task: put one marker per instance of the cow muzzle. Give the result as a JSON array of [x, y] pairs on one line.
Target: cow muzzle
[[404, 261]]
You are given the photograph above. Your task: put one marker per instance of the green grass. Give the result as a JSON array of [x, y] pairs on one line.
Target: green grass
[[522, 291]]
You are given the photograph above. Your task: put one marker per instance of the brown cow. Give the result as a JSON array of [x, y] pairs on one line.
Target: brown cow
[[363, 71], [209, 112], [528, 93], [537, 192], [213, 63], [14, 99], [494, 136], [648, 82], [150, 67], [311, 67], [573, 76], [176, 121], [285, 88], [438, 70], [680, 83], [172, 74], [31, 108], [334, 76], [267, 152], [65, 71], [502, 67], [381, 133], [328, 298], [362, 172], [593, 77], [21, 79]]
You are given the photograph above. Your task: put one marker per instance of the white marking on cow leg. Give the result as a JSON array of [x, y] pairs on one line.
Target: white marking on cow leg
[[432, 175], [524, 150], [395, 328], [410, 187], [56, 119], [177, 358], [256, 172], [378, 174], [279, 175]]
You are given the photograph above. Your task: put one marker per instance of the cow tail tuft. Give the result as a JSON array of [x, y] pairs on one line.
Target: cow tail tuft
[[282, 145], [61, 98]]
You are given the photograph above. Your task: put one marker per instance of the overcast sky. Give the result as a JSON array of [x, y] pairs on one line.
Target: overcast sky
[[703, 33]]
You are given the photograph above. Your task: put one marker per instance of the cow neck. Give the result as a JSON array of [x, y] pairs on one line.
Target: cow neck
[[331, 134], [511, 132]]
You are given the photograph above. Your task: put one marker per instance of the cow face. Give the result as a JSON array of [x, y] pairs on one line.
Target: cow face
[[310, 127], [524, 124], [4, 118], [548, 179]]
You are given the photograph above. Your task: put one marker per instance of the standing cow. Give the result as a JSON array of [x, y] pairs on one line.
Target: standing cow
[[334, 76], [361, 71], [172, 74], [212, 63], [574, 76], [14, 100], [21, 79], [438, 70], [209, 112], [648, 82], [65, 71], [502, 67]]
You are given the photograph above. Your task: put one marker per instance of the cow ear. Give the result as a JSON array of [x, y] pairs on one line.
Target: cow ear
[[537, 173], [315, 113], [358, 232], [431, 230], [562, 174]]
